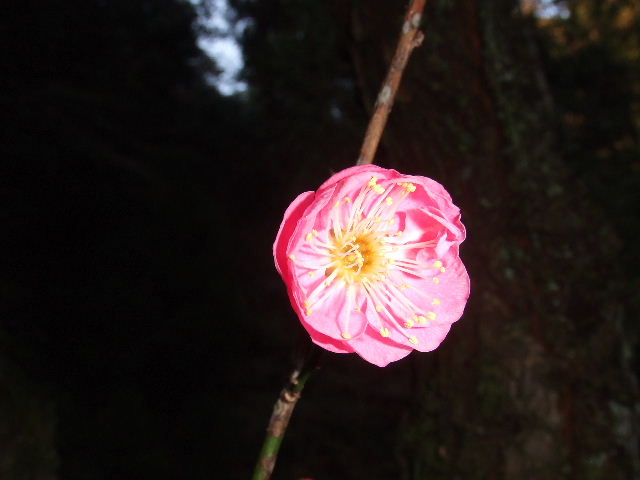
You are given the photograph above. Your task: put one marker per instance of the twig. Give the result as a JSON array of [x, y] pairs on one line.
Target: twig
[[282, 410], [410, 38]]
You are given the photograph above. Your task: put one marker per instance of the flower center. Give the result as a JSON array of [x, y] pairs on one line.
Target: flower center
[[358, 257]]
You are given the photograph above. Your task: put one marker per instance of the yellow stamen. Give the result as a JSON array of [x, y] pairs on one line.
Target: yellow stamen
[[346, 336], [413, 339], [384, 332]]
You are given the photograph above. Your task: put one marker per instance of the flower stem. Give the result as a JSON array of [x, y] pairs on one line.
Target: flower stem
[[410, 38], [306, 363]]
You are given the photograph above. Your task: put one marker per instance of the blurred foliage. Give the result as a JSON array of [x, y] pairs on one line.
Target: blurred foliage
[[146, 330], [27, 428]]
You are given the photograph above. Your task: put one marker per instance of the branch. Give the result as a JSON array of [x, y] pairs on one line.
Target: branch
[[410, 38], [282, 410]]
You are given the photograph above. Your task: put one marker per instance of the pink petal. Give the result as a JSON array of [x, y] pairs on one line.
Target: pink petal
[[291, 217], [328, 343], [378, 350], [352, 173], [447, 297], [336, 316], [429, 338]]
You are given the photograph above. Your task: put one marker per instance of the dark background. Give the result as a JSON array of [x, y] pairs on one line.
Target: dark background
[[144, 331]]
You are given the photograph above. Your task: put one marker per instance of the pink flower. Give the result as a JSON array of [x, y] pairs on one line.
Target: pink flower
[[371, 263]]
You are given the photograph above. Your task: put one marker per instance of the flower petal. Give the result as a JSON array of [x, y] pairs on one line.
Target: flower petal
[[336, 315], [328, 343], [351, 175], [378, 350], [291, 217], [429, 338], [445, 294]]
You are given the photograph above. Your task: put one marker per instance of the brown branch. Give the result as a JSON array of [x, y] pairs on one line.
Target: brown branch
[[410, 38], [307, 362]]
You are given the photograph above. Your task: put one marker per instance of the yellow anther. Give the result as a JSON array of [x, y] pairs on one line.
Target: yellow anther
[[431, 315], [373, 182], [421, 320], [309, 237], [399, 232], [408, 187], [358, 309], [308, 312], [377, 219], [436, 301], [409, 323], [413, 339], [307, 303], [346, 336], [442, 269], [404, 286], [311, 274], [389, 201], [292, 256], [436, 280], [379, 189], [384, 332], [378, 308], [315, 232], [437, 264], [337, 204], [391, 221], [346, 200]]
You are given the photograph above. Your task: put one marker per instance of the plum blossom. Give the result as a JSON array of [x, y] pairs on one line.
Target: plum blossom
[[371, 263]]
